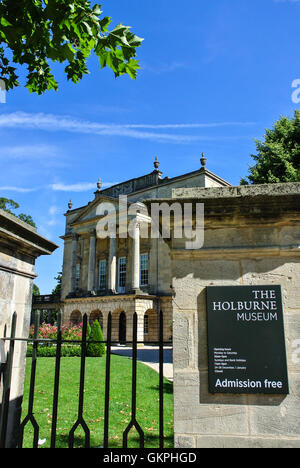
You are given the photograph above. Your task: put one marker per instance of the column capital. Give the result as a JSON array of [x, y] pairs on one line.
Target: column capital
[[92, 232]]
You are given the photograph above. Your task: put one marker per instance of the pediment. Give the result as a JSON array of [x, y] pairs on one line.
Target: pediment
[[96, 209]]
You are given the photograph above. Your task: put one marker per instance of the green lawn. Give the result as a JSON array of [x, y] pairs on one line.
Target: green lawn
[[120, 402]]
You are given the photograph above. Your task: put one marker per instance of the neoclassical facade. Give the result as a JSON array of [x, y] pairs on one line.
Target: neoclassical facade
[[114, 263]]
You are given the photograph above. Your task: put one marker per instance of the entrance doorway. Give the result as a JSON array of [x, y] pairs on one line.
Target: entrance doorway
[[122, 328]]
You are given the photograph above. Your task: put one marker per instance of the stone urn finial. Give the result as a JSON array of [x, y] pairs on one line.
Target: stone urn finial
[[156, 163], [70, 205], [203, 160], [99, 185]]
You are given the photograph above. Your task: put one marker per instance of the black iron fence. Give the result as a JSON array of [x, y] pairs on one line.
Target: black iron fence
[[6, 380]]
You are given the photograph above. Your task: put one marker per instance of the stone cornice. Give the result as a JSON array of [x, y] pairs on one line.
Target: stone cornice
[[18, 272], [115, 298], [24, 236], [269, 203], [241, 252], [253, 191]]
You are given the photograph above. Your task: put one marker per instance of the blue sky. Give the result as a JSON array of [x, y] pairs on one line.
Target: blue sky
[[215, 74]]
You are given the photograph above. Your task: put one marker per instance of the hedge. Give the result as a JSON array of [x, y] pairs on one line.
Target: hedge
[[50, 351]]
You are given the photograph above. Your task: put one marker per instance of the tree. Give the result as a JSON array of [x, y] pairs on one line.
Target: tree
[[95, 349], [278, 156], [35, 32], [57, 290], [35, 290], [7, 205]]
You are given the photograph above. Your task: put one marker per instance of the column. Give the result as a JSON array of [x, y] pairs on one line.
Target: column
[[112, 266], [92, 261], [74, 261], [135, 270]]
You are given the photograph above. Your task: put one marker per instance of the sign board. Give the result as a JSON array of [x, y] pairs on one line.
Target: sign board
[[246, 345]]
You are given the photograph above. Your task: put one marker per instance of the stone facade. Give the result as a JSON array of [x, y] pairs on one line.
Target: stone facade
[[92, 280], [251, 238]]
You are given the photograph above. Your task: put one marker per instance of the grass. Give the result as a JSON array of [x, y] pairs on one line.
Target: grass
[[93, 413]]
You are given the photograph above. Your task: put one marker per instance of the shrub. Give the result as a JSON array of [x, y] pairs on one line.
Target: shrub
[[50, 351], [95, 349]]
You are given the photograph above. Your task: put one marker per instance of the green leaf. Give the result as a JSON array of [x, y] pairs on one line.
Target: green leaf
[[4, 22], [88, 28], [97, 10], [68, 51]]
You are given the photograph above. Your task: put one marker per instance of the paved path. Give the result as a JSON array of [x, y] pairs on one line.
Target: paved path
[[149, 355]]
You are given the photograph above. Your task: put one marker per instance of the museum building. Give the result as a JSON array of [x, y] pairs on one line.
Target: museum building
[[129, 271]]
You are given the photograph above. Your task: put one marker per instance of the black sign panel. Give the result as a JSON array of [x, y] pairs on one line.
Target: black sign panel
[[246, 346]]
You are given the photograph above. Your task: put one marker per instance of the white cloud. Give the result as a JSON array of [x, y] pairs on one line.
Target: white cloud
[[79, 187], [10, 188], [191, 125], [53, 210], [51, 122], [28, 151], [58, 187], [163, 67]]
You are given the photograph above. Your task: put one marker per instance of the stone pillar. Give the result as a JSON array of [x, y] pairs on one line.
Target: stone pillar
[[135, 270], [112, 266], [92, 261], [74, 261], [20, 246]]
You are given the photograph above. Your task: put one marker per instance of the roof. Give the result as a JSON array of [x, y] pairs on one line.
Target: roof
[[145, 182]]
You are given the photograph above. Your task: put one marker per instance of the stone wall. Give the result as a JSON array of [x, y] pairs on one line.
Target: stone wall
[[252, 237]]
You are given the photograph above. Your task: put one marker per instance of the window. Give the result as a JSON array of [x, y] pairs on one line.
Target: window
[[146, 324], [102, 275], [122, 274], [144, 269], [77, 275]]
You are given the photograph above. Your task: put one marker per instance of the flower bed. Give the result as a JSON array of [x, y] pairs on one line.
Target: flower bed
[[49, 332], [70, 332]]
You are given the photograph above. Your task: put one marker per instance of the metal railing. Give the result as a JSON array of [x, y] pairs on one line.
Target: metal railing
[[46, 299], [6, 378]]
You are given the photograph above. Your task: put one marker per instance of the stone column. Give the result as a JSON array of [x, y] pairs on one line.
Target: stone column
[[74, 261], [112, 266], [135, 270], [92, 261]]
